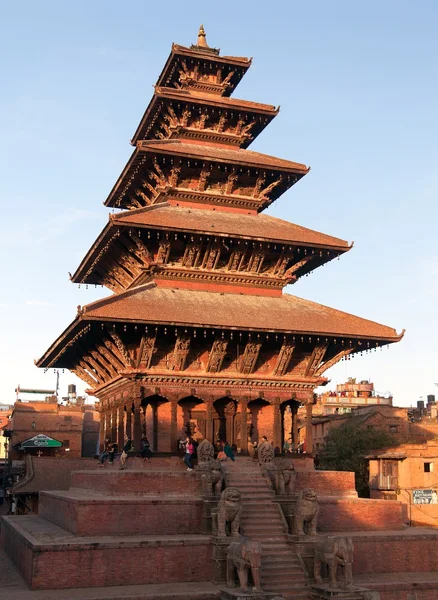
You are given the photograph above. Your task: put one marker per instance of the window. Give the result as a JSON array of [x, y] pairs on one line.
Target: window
[[68, 419], [66, 443], [428, 467], [393, 428], [388, 474]]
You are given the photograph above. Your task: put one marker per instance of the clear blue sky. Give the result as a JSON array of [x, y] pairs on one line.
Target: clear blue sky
[[358, 87]]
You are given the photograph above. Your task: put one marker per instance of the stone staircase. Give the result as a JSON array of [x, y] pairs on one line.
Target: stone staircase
[[282, 572]]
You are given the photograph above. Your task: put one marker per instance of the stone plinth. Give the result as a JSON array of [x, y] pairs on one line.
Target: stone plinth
[[84, 514], [324, 592], [220, 547], [236, 594], [50, 557]]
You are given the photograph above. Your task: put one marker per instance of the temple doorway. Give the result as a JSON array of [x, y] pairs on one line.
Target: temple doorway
[[224, 414], [289, 425], [261, 422], [149, 418], [193, 417]]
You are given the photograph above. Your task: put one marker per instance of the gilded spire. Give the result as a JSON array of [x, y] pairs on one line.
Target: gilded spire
[[202, 39]]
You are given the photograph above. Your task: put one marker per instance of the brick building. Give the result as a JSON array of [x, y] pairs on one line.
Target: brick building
[[391, 419], [408, 473], [349, 395], [76, 427]]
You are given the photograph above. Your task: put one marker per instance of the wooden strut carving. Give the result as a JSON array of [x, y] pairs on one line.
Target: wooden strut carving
[[86, 366], [110, 356], [264, 194], [316, 358], [102, 360], [100, 371], [203, 177], [284, 358], [146, 351], [294, 268], [248, 360], [163, 252], [217, 355], [191, 254], [121, 348], [329, 363], [141, 251], [211, 256], [112, 348], [84, 375], [180, 352]]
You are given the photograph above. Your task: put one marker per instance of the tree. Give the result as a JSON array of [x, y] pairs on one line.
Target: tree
[[345, 450]]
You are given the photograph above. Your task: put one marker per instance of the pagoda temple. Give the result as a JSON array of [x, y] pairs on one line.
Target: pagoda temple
[[198, 336]]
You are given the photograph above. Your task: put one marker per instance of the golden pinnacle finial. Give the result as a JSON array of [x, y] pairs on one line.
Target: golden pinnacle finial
[[202, 39]]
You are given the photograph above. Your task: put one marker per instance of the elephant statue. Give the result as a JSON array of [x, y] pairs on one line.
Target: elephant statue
[[244, 555], [335, 552]]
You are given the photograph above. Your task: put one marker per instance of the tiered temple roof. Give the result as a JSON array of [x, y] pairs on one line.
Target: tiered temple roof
[[198, 271]]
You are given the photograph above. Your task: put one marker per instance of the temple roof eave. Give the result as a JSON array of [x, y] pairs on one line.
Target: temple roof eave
[[95, 312], [163, 93], [332, 244], [238, 157], [238, 61]]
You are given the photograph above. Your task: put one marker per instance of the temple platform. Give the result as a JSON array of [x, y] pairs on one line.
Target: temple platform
[[50, 557]]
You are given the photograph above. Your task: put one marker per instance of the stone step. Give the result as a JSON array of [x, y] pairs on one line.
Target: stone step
[[276, 568], [285, 587]]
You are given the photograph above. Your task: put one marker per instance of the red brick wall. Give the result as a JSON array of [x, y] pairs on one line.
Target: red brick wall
[[402, 592], [132, 482], [395, 553], [123, 517], [327, 483], [19, 553], [135, 565], [360, 514]]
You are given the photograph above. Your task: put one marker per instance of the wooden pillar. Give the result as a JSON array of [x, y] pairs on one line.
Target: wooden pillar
[[209, 421], [309, 432], [277, 425], [295, 439], [129, 418], [120, 425], [101, 431], [107, 419], [114, 424], [243, 425], [137, 424], [173, 422]]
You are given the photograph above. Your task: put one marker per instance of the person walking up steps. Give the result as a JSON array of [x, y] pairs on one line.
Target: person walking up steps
[[126, 448], [190, 450]]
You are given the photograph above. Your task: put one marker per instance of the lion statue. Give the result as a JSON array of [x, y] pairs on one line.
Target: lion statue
[[283, 477], [306, 512], [335, 552], [212, 480], [228, 510], [244, 555]]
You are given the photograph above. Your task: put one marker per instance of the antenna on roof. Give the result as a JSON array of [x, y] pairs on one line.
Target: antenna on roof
[[202, 38]]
